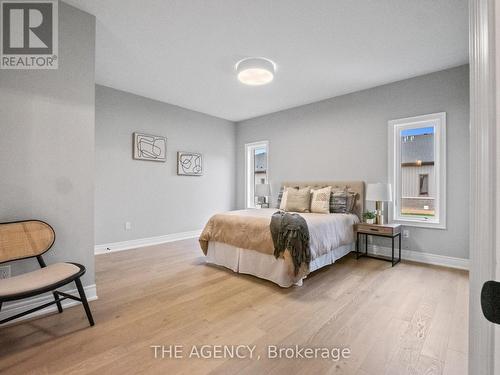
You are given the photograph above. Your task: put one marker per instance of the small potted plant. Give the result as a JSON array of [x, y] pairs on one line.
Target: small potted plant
[[369, 217]]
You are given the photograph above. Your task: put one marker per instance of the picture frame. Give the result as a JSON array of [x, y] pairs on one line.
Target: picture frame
[[149, 147], [189, 163]]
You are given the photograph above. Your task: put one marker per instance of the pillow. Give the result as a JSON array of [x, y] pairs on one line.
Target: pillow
[[352, 197], [343, 202], [282, 197], [282, 200], [334, 203], [338, 202], [320, 201], [298, 200]]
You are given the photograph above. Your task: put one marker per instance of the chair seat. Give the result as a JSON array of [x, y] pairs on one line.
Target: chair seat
[[39, 279]]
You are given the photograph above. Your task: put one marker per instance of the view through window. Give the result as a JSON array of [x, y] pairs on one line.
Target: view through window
[[256, 171], [417, 162], [418, 189], [260, 172]]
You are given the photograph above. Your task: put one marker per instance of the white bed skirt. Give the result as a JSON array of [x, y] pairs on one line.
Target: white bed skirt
[[266, 266]]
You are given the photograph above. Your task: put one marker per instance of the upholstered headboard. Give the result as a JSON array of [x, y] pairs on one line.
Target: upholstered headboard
[[357, 186]]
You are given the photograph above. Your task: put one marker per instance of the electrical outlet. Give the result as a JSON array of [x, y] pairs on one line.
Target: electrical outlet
[[406, 233], [4, 272], [128, 225]]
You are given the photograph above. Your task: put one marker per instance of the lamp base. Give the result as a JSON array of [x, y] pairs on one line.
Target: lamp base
[[380, 219], [380, 212]]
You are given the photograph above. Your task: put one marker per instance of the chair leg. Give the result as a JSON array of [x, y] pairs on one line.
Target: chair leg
[[58, 303], [84, 301]]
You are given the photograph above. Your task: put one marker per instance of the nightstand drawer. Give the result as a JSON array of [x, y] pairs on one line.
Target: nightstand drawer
[[388, 230]]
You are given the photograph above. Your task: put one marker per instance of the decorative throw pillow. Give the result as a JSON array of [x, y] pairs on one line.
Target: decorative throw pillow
[[282, 200], [282, 197], [298, 200], [334, 202], [352, 197], [343, 202], [320, 201], [338, 203]]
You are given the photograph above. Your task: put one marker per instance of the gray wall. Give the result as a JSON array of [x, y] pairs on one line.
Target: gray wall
[[149, 194], [345, 138], [47, 144]]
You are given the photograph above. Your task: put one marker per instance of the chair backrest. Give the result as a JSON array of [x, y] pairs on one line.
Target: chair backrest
[[25, 239]]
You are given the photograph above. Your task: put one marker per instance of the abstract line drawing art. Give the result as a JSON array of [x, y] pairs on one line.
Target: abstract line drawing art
[[150, 147], [189, 163]]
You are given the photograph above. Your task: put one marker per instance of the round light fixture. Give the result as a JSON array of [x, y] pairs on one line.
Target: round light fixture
[[255, 71]]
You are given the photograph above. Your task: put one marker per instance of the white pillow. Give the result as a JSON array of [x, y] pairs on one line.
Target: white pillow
[[283, 199], [298, 200], [320, 202]]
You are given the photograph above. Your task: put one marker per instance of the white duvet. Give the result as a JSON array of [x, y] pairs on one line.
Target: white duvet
[[329, 231]]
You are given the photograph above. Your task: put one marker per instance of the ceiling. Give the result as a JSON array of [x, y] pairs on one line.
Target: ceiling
[[183, 52]]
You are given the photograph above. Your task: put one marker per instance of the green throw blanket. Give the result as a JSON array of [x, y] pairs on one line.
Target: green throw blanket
[[290, 231]]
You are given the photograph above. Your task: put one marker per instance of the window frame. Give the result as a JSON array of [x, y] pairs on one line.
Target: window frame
[[394, 158], [249, 169]]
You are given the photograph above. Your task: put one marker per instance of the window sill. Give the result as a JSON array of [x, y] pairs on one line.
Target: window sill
[[420, 224]]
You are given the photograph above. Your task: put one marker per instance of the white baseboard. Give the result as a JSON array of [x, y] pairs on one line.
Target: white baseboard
[[415, 256], [421, 257], [142, 242], [16, 307]]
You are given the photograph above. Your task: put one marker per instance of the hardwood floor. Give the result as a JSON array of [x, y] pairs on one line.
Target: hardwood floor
[[410, 319]]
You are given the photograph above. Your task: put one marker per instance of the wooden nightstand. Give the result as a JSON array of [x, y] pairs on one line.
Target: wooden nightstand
[[384, 230]]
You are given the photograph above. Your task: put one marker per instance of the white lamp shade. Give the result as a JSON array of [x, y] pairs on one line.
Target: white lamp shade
[[262, 190], [379, 192]]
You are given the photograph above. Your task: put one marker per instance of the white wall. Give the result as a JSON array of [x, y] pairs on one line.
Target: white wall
[[47, 144], [345, 138], [149, 194]]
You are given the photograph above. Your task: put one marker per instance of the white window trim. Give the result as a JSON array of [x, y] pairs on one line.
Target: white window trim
[[249, 190], [394, 145]]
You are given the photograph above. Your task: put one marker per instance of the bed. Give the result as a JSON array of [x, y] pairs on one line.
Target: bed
[[241, 240]]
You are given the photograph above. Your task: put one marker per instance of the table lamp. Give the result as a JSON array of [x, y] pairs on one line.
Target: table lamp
[[379, 193], [262, 191]]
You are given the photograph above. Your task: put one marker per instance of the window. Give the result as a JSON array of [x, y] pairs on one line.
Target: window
[[423, 184], [417, 168], [256, 165]]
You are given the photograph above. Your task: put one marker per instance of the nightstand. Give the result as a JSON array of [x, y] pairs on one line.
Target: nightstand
[[379, 230]]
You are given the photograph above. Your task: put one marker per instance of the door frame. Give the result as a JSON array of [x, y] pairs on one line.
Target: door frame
[[483, 171]]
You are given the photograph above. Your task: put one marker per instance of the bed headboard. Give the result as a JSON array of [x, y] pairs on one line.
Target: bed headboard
[[357, 186]]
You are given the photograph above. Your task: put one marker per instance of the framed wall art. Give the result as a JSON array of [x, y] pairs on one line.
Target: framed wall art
[[150, 147], [189, 163]]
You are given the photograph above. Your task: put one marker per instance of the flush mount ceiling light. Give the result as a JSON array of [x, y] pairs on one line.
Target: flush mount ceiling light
[[255, 71]]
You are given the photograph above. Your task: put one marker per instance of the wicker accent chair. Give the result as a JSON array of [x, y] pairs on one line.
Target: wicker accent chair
[[31, 239]]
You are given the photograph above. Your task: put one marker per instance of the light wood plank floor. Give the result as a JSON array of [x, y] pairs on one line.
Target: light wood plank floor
[[410, 319]]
